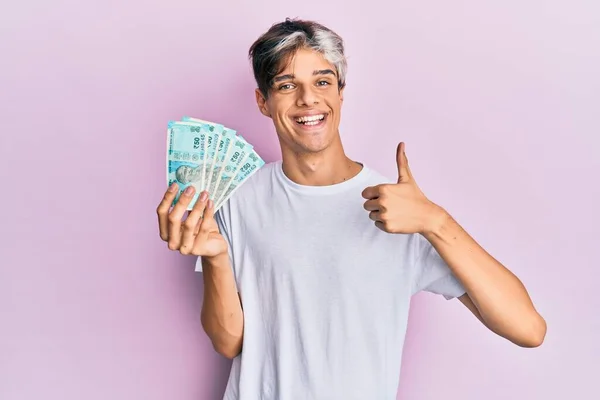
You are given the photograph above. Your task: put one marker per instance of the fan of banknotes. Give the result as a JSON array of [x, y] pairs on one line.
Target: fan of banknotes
[[210, 157]]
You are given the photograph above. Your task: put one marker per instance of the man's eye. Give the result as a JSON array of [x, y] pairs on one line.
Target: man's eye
[[322, 83], [285, 86]]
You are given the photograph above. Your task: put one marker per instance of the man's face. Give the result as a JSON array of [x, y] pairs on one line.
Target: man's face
[[305, 103]]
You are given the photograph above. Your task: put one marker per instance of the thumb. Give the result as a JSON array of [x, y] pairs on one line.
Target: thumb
[[404, 174]]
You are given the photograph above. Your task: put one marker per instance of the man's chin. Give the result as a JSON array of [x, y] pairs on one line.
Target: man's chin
[[304, 142], [312, 146]]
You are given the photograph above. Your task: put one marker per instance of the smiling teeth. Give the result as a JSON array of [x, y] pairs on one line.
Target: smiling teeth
[[311, 120]]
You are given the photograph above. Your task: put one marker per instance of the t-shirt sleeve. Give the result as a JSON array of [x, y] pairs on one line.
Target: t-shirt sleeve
[[432, 274], [223, 220]]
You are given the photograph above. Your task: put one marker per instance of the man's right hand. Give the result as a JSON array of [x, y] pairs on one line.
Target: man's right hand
[[199, 234]]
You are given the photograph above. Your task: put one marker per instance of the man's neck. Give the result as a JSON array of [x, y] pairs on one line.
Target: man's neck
[[322, 169]]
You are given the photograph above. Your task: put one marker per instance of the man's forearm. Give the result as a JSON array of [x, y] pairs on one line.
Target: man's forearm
[[222, 316], [500, 297]]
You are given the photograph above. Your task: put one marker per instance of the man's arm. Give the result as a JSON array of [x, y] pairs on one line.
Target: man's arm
[[494, 294], [199, 235], [222, 316]]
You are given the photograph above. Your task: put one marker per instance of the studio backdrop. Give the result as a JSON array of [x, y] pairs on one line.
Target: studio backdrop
[[497, 103]]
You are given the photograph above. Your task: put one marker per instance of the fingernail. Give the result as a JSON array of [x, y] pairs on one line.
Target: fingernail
[[189, 190], [173, 187], [203, 196], [210, 204]]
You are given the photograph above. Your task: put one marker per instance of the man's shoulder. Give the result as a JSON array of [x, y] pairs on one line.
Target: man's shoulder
[[265, 172], [374, 177], [254, 186], [261, 178]]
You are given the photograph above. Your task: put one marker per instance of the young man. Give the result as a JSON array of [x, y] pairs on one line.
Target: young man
[[309, 269]]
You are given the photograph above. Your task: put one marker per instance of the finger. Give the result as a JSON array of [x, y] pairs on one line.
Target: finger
[[372, 205], [372, 192], [163, 211], [198, 209], [374, 215], [209, 214], [192, 224], [404, 174], [177, 214], [207, 220]]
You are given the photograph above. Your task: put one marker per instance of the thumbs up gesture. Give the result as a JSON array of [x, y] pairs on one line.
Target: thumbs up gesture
[[401, 207]]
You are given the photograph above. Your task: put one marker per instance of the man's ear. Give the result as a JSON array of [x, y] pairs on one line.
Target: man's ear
[[262, 103], [342, 93]]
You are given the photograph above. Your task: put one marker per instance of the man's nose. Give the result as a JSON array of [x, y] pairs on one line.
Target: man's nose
[[307, 96]]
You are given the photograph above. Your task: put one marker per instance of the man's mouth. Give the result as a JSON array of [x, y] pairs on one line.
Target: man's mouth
[[310, 120]]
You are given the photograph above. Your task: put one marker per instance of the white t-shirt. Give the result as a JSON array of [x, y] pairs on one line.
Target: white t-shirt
[[325, 293]]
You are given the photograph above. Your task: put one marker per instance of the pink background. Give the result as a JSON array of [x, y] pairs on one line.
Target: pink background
[[498, 104]]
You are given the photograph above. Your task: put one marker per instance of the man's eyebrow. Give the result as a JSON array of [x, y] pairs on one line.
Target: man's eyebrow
[[292, 76], [283, 77], [323, 72]]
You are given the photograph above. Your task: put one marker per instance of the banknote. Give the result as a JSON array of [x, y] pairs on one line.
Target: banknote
[[249, 164], [208, 156]]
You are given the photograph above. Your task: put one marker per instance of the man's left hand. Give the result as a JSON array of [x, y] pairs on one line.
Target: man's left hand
[[401, 207]]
